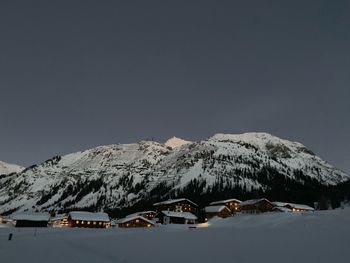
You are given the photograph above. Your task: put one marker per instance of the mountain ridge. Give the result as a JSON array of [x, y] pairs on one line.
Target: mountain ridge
[[122, 175], [8, 168]]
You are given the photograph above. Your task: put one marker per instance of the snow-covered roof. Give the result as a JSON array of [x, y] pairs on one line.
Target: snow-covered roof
[[186, 215], [89, 216], [215, 208], [31, 216], [253, 201], [282, 209], [140, 213], [297, 206], [172, 201], [59, 217], [225, 201], [128, 219]]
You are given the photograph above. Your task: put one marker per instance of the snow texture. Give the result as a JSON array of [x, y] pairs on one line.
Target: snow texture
[[215, 208], [7, 168], [175, 142], [319, 237], [31, 216]]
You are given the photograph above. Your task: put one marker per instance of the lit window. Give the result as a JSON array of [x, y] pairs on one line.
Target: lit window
[[88, 222], [77, 222], [94, 223]]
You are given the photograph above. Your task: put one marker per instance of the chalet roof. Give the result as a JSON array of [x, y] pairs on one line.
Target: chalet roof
[[59, 217], [31, 216], [282, 209], [297, 206], [186, 215], [140, 213], [128, 219], [216, 208], [89, 216], [172, 201], [225, 201], [253, 201]]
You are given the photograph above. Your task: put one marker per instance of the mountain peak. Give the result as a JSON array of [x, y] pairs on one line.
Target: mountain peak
[[176, 142], [7, 168]]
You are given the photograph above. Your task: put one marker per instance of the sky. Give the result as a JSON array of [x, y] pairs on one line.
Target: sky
[[78, 74]]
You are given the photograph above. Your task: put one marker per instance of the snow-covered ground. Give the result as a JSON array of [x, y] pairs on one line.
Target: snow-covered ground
[[276, 237]]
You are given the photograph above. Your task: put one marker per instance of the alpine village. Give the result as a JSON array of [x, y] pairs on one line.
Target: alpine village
[[172, 211]]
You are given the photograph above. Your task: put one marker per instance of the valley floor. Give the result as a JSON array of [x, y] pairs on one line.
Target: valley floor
[[275, 237]]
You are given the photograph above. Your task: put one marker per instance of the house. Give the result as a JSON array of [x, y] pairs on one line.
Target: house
[[88, 219], [217, 210], [177, 205], [294, 207], [232, 204], [135, 221], [171, 217], [255, 206], [59, 221], [281, 209], [150, 215], [31, 219]]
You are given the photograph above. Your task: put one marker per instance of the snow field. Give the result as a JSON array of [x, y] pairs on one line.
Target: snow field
[[273, 237]]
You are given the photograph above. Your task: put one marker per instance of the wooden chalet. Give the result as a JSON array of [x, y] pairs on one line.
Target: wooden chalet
[[217, 210], [177, 205], [232, 204], [294, 207], [135, 221], [150, 215], [88, 219], [171, 217], [59, 221], [255, 206], [31, 219]]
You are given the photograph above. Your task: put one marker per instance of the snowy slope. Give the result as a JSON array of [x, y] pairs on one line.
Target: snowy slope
[[120, 175], [6, 168], [319, 237]]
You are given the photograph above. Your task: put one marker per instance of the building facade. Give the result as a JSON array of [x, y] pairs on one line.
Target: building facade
[[232, 204], [177, 205], [88, 219]]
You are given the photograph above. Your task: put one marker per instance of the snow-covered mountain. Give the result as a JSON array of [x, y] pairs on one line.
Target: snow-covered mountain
[[121, 175], [7, 168], [175, 142]]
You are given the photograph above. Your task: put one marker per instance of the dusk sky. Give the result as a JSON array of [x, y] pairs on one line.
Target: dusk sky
[[77, 74]]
